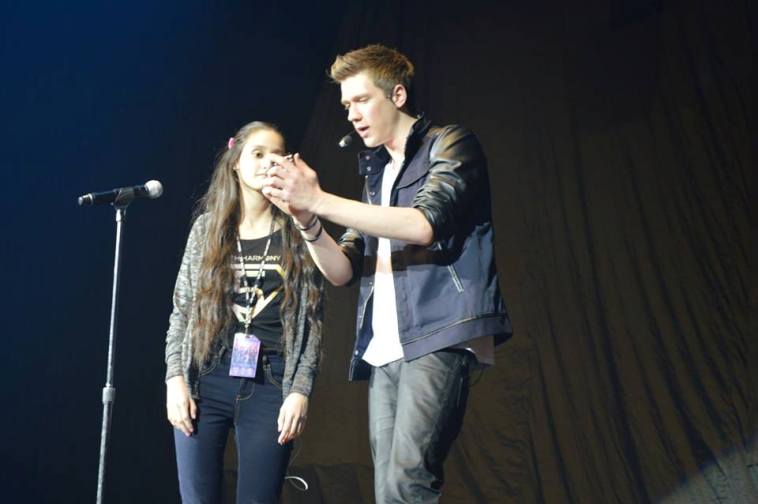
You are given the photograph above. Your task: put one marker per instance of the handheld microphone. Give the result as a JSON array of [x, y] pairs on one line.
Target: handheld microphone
[[151, 189], [346, 140]]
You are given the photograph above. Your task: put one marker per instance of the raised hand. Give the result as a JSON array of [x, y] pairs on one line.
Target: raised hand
[[293, 186]]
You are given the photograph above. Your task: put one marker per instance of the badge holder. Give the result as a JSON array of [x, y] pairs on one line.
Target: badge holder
[[245, 353]]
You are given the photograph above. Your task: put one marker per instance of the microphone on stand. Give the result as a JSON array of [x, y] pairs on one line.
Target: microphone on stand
[[120, 199], [151, 189]]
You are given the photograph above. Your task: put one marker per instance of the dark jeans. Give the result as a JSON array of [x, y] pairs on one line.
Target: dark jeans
[[251, 408], [416, 410]]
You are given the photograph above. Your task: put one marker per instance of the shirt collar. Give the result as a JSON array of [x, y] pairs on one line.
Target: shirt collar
[[372, 161]]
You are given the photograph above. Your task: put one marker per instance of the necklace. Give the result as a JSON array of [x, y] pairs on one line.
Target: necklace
[[250, 294]]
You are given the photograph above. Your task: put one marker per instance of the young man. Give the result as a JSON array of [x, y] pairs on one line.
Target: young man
[[421, 245]]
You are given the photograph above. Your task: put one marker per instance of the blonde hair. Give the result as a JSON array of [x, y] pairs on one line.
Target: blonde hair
[[386, 67]]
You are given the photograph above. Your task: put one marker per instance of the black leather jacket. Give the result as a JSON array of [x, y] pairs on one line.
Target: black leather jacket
[[446, 293]]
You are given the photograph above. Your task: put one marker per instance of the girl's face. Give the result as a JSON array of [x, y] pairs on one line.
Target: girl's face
[[252, 165]]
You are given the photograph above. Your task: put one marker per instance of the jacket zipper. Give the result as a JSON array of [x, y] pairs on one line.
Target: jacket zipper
[[454, 276], [362, 312], [368, 193], [365, 305], [451, 270]]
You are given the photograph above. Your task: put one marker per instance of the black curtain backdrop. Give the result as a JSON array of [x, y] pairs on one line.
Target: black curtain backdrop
[[620, 163]]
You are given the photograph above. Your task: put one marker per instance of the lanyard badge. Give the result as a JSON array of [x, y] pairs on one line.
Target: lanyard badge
[[245, 353], [247, 346]]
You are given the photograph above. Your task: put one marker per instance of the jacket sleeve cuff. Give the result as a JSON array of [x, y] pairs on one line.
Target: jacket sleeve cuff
[[303, 384], [351, 243], [173, 366], [306, 391]]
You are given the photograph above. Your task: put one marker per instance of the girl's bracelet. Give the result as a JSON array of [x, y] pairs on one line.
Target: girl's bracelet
[[307, 226], [318, 235]]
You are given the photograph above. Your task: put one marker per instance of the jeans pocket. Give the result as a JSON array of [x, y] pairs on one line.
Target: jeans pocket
[[209, 365], [271, 376]]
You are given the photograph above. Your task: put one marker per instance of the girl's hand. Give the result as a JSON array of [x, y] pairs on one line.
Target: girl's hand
[[180, 407], [292, 417]]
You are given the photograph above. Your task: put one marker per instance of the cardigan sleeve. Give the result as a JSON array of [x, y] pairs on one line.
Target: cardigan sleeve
[[183, 296]]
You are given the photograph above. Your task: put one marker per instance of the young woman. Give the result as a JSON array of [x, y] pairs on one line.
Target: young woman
[[243, 344]]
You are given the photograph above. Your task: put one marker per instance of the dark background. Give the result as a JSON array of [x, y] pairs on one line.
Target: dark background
[[621, 169]]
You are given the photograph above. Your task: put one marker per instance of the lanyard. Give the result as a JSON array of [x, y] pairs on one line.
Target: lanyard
[[250, 293]]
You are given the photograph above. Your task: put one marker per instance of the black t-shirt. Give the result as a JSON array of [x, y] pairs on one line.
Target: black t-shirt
[[266, 323]]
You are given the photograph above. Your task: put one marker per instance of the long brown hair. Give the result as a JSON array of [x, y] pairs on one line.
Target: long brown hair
[[221, 208]]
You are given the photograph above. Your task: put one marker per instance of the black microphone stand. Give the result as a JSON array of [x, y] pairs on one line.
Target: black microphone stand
[[122, 201]]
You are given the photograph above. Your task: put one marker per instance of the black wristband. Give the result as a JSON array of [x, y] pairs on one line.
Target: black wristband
[[308, 226], [318, 235]]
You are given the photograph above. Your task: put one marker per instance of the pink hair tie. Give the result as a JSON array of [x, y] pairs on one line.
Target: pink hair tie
[[230, 143]]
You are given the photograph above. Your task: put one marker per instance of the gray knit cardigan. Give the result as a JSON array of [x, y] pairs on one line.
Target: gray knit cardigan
[[302, 344]]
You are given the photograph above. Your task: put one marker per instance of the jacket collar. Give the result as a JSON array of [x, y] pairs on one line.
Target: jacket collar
[[373, 161]]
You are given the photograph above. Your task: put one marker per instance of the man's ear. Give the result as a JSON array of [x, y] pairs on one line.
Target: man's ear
[[399, 96]]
